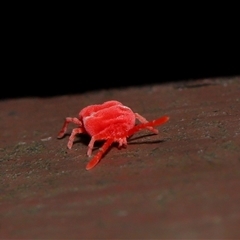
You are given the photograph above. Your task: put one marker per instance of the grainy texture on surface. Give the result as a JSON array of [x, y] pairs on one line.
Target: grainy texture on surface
[[182, 183]]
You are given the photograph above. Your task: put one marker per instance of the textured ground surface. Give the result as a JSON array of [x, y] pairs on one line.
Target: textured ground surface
[[182, 183]]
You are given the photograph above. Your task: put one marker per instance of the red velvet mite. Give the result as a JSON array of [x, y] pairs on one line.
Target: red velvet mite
[[110, 121]]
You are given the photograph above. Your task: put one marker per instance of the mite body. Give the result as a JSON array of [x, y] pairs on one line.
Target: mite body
[[110, 121]]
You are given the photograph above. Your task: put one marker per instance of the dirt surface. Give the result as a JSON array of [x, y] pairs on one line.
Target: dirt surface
[[182, 183]]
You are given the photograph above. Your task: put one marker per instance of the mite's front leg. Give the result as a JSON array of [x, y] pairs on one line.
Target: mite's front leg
[[67, 121], [144, 120]]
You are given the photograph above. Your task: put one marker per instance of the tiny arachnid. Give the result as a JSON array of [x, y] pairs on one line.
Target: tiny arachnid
[[110, 121]]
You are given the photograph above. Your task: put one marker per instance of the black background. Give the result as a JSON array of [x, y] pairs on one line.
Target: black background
[[38, 68], [57, 53], [69, 74]]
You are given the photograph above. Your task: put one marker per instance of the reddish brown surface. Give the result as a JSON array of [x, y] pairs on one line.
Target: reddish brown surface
[[182, 183]]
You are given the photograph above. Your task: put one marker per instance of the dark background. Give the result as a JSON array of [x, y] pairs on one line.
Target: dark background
[[59, 53], [68, 74], [45, 69]]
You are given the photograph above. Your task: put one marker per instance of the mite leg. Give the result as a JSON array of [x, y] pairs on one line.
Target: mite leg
[[67, 121], [100, 136], [144, 120], [152, 123], [75, 131], [94, 161], [122, 142]]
